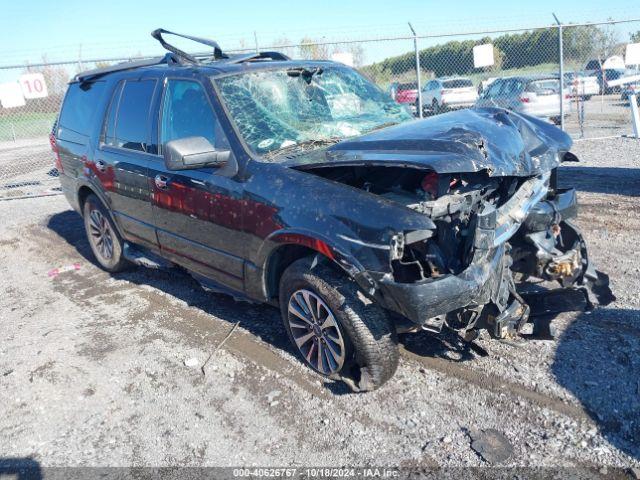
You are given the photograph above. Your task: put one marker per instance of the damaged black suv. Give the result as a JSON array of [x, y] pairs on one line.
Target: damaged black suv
[[302, 185]]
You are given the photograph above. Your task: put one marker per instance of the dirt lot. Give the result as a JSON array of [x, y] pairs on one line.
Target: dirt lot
[[92, 366]]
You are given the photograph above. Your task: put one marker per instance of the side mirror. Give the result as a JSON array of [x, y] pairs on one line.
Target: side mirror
[[193, 152]]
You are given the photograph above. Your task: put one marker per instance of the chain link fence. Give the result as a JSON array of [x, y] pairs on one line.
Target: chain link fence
[[430, 74]]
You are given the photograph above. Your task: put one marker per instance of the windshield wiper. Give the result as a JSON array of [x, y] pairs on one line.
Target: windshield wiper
[[301, 147]]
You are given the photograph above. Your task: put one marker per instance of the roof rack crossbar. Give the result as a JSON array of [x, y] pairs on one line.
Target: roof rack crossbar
[[169, 59], [257, 56], [217, 51]]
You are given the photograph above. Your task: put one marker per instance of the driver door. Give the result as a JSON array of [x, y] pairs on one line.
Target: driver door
[[197, 213]]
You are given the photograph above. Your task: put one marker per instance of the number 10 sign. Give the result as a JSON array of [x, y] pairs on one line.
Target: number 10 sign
[[33, 85]]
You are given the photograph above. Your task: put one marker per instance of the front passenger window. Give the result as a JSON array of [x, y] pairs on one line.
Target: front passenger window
[[186, 112]]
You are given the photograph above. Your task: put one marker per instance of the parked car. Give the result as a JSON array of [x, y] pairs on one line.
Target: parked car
[[442, 94], [605, 76], [538, 96], [405, 94], [581, 84], [331, 204]]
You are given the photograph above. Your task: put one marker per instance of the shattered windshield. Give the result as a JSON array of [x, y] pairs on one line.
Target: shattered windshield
[[296, 109]]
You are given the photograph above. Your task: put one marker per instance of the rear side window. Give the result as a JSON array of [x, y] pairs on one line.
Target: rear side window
[[494, 89], [127, 121], [458, 83], [544, 87], [407, 86], [80, 103], [512, 87]]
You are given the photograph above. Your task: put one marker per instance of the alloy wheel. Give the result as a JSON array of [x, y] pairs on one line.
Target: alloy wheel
[[100, 234], [315, 332]]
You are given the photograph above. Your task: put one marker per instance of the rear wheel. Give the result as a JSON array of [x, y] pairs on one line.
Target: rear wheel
[[334, 329], [106, 244]]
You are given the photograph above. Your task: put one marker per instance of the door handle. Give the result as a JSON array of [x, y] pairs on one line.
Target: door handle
[[101, 166], [162, 182]]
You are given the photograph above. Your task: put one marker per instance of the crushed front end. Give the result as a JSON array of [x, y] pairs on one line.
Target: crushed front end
[[490, 233], [486, 180]]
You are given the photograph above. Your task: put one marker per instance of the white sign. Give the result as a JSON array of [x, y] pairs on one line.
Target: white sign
[[343, 57], [632, 56], [33, 85], [483, 55], [11, 95]]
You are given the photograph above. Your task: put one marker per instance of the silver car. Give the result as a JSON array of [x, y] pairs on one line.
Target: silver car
[[538, 96]]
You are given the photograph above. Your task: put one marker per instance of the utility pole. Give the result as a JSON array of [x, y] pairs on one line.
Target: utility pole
[[415, 47]]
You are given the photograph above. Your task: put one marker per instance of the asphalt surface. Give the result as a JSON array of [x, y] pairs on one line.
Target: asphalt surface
[[93, 367]]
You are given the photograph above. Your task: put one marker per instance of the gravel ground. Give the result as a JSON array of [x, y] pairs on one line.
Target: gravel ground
[[93, 373]]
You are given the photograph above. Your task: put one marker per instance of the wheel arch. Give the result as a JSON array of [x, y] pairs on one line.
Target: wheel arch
[[84, 191], [291, 247]]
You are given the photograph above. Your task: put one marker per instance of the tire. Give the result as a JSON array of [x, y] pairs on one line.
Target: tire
[[369, 350], [435, 108], [102, 235]]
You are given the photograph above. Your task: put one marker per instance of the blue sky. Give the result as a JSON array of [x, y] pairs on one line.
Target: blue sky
[[66, 30]]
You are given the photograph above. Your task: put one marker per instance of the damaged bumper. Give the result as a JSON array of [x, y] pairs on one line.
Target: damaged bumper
[[426, 303], [529, 227]]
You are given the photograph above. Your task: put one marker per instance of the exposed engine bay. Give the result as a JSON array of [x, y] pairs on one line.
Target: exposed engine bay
[[525, 221]]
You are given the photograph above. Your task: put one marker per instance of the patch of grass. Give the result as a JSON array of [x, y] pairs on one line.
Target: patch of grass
[[23, 125]]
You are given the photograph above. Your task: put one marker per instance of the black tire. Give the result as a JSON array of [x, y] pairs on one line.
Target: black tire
[[435, 108], [370, 341], [94, 214]]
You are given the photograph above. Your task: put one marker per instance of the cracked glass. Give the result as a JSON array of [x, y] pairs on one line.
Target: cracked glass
[[303, 108]]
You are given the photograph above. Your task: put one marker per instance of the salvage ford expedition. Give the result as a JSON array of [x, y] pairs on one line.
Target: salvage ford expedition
[[302, 185]]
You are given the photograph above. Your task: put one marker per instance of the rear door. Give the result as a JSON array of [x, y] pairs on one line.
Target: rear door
[[123, 156], [198, 213]]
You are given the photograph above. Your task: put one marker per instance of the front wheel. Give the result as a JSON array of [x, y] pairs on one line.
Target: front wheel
[[335, 329]]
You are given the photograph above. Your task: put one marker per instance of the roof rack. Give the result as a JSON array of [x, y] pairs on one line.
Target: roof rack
[[217, 51], [169, 59], [179, 57]]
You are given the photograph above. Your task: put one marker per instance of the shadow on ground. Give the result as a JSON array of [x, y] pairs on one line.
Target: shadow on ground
[[598, 361], [261, 320], [619, 181], [20, 469]]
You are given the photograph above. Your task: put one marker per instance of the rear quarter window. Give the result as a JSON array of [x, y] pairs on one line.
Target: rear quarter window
[[544, 87], [80, 104]]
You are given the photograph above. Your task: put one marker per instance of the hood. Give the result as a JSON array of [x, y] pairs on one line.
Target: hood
[[502, 142]]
